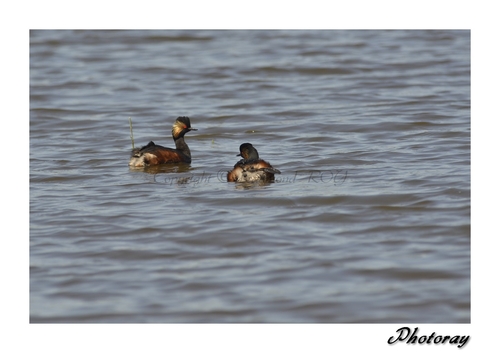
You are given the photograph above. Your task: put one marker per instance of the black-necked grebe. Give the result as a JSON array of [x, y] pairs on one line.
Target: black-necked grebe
[[153, 154], [251, 168]]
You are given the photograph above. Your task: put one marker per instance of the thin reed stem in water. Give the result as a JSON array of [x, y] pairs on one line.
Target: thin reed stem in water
[[131, 132]]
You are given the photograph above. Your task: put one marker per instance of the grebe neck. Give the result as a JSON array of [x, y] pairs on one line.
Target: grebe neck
[[182, 146]]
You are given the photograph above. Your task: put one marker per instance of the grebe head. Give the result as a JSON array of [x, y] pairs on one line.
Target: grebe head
[[248, 152], [181, 126]]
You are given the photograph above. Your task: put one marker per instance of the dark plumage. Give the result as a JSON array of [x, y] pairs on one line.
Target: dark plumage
[[153, 154], [251, 168]]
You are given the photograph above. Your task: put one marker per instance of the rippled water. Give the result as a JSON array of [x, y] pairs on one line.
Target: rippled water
[[368, 222]]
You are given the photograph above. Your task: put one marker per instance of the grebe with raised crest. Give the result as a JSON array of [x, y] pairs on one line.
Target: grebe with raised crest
[[153, 154]]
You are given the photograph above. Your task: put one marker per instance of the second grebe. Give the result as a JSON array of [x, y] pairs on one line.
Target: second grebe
[[153, 154], [251, 168]]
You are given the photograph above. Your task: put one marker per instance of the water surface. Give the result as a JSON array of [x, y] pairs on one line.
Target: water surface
[[368, 222]]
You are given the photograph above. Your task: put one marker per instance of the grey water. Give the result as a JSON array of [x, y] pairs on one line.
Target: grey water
[[369, 221]]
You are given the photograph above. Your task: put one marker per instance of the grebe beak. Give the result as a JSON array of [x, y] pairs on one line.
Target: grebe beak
[[238, 155], [191, 129]]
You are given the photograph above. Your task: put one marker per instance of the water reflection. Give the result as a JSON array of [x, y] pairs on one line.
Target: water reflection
[[163, 168]]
